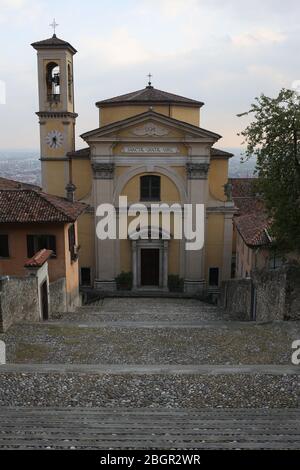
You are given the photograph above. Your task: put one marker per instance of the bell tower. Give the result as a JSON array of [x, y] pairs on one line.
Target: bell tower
[[56, 113]]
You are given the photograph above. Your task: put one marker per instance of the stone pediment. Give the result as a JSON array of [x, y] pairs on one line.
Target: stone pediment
[[150, 125]]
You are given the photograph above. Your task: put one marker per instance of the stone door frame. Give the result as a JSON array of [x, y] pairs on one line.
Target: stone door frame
[[136, 247]]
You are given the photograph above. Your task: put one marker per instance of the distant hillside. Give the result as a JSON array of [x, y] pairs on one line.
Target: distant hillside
[[21, 165], [238, 169]]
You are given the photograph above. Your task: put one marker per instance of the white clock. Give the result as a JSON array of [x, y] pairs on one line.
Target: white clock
[[54, 139]]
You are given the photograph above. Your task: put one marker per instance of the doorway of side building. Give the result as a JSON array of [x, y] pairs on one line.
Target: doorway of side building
[[150, 267], [44, 301]]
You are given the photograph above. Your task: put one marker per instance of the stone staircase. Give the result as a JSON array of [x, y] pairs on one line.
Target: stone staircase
[[175, 364]]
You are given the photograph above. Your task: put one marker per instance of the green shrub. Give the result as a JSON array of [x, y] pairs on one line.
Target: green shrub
[[124, 281], [175, 283]]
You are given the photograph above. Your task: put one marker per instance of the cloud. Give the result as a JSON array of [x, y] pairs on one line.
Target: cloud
[[120, 48], [258, 37], [19, 12]]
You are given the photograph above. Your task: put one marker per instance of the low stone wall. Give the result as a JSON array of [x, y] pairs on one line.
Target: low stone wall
[[58, 297], [18, 301], [277, 294], [236, 299], [293, 293], [268, 296]]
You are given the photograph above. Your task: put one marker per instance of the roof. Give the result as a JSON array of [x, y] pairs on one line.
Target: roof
[[245, 196], [153, 115], [27, 205], [253, 228], [220, 153], [6, 183], [53, 43], [38, 259], [80, 153], [149, 95]]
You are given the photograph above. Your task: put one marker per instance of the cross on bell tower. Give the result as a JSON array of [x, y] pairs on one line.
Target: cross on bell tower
[[54, 26]]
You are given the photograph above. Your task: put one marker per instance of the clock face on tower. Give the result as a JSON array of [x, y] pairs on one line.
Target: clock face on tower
[[54, 139]]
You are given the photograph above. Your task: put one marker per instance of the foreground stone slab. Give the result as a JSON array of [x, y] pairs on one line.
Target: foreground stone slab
[[98, 428]]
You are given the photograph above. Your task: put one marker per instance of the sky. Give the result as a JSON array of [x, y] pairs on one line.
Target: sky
[[222, 52]]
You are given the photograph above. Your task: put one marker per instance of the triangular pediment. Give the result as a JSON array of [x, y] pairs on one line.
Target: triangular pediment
[[150, 125]]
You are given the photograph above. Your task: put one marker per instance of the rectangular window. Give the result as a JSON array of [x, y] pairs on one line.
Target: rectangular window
[[85, 276], [4, 247], [36, 243], [213, 276], [150, 188]]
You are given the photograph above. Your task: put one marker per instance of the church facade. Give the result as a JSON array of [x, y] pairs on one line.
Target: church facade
[[149, 147]]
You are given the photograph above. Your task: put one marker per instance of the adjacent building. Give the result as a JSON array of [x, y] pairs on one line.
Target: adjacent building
[[32, 221]]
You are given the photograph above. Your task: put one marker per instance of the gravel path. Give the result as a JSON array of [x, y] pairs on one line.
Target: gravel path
[[228, 343], [170, 391]]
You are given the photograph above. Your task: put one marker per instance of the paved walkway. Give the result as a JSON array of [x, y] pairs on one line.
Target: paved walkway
[[149, 429]]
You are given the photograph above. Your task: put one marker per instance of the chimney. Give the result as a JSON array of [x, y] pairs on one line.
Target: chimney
[[70, 192]]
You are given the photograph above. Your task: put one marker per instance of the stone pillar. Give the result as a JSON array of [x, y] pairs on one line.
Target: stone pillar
[[227, 250], [103, 186], [197, 174]]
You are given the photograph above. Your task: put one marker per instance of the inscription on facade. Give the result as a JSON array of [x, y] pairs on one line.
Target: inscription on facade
[[149, 149]]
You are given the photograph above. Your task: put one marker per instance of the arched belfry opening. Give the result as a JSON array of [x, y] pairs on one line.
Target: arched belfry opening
[[70, 82], [53, 82]]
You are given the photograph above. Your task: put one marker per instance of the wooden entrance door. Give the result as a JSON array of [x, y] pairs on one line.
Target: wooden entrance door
[[44, 301], [149, 267]]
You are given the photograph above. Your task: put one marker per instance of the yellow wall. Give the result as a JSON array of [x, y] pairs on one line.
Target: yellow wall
[[217, 177], [174, 257], [54, 177], [214, 242], [109, 114], [82, 177]]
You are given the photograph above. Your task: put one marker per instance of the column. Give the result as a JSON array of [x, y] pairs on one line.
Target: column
[[103, 185], [197, 174]]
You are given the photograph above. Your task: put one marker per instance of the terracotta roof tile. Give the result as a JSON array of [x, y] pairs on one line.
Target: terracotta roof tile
[[150, 95], [245, 197], [6, 183], [27, 205], [38, 259], [253, 228]]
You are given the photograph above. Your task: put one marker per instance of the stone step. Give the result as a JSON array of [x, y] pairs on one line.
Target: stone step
[[100, 428]]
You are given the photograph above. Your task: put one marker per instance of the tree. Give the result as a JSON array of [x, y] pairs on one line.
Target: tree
[[274, 138]]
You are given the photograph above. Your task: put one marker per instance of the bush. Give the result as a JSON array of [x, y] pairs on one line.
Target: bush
[[124, 281], [175, 283]]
